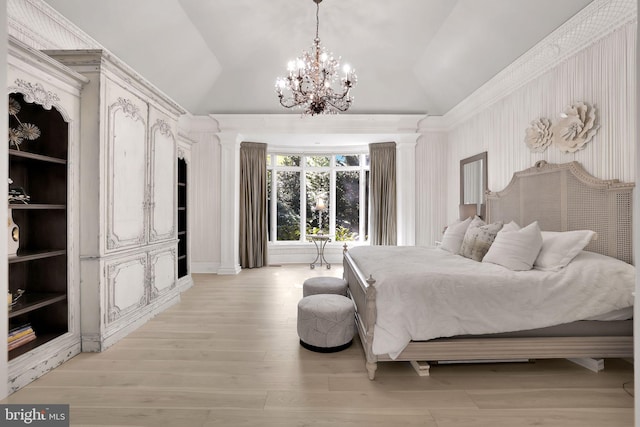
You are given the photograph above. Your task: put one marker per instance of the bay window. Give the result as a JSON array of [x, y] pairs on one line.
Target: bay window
[[318, 194]]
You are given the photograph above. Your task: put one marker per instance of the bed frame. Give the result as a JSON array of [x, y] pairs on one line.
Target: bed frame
[[560, 197]]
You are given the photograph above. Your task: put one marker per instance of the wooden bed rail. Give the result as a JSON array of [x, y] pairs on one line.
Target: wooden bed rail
[[363, 293]]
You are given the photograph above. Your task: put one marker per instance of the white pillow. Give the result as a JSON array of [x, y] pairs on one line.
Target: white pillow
[[453, 235], [512, 226], [560, 247], [515, 249]]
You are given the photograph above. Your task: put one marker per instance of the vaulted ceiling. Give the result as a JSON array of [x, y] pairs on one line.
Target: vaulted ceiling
[[411, 56]]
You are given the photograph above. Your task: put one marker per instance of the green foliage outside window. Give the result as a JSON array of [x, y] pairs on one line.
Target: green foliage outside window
[[320, 174]]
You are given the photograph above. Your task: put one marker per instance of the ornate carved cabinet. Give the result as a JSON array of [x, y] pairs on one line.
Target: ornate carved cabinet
[[43, 148], [128, 167]]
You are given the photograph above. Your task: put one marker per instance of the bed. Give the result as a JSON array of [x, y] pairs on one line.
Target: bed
[[560, 197]]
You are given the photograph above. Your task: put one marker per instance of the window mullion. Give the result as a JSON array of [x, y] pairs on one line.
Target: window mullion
[[332, 196], [362, 210], [303, 199], [274, 206]]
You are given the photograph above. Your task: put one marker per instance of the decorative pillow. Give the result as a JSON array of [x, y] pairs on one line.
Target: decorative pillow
[[560, 247], [512, 226], [453, 235], [515, 249], [478, 238]]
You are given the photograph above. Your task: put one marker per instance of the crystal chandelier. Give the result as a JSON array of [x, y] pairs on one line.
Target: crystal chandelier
[[312, 83]]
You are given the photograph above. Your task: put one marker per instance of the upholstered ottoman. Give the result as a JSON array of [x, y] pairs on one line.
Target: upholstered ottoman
[[324, 285], [326, 322]]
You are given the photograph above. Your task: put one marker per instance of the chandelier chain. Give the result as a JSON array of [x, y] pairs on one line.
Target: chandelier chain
[[317, 19]]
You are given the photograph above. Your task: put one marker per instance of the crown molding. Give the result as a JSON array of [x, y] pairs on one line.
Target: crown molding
[[323, 124], [191, 124], [40, 26]]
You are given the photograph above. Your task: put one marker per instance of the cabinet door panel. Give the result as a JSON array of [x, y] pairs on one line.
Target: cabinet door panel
[[126, 179], [127, 286], [163, 271], [163, 179]]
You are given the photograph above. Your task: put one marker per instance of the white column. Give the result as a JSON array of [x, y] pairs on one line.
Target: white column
[[229, 203], [406, 189]]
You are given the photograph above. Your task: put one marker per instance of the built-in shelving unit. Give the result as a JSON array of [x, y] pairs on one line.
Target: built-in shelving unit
[[39, 268], [183, 263]]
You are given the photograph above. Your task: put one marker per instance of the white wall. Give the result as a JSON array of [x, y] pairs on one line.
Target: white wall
[[494, 119], [602, 74], [431, 187], [205, 187]]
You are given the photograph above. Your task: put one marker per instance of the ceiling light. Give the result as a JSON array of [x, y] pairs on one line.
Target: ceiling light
[[314, 83]]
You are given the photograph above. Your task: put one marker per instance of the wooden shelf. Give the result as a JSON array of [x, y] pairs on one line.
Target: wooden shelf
[[40, 339], [31, 302], [38, 157], [36, 206], [33, 255]]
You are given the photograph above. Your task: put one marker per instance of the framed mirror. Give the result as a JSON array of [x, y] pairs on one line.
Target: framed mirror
[[473, 185]]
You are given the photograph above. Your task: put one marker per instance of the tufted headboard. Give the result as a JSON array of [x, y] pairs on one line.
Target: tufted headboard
[[564, 197]]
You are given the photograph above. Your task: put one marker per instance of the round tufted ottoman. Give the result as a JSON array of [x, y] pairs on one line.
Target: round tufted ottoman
[[326, 322], [324, 285]]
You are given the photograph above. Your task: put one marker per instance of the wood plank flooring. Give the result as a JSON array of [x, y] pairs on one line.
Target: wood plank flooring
[[228, 355]]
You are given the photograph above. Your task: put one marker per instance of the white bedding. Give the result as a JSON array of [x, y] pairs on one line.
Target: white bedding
[[425, 293]]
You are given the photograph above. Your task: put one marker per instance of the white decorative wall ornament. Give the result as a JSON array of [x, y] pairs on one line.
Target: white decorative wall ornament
[[538, 136], [575, 127]]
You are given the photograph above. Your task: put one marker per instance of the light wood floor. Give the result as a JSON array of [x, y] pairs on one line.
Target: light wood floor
[[228, 355]]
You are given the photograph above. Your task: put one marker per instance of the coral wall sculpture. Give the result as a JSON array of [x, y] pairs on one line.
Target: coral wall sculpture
[[576, 126], [538, 136]]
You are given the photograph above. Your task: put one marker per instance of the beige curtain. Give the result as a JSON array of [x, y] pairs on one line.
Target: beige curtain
[[382, 187], [253, 205]]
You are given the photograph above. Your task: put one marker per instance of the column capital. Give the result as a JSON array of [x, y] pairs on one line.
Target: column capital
[[407, 140]]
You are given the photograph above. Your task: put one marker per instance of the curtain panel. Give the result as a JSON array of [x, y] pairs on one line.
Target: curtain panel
[[253, 205], [383, 193]]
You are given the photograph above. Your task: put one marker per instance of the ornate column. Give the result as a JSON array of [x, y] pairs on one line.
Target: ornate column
[[406, 189], [229, 203]]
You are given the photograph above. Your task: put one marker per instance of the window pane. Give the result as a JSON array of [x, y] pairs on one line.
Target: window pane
[[347, 205], [342, 160], [318, 161], [288, 160], [317, 202], [288, 205], [268, 159]]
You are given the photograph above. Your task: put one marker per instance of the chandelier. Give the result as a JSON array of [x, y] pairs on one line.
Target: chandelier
[[312, 83]]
